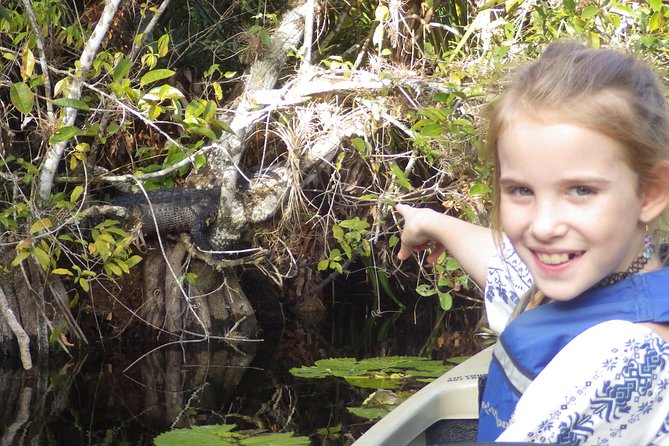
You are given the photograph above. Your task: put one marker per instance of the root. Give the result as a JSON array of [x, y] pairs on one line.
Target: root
[[174, 293], [21, 335]]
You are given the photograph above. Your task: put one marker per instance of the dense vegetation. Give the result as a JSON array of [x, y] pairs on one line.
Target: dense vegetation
[[315, 117]]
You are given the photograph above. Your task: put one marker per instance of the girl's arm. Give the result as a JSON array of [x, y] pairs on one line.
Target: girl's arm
[[471, 245]]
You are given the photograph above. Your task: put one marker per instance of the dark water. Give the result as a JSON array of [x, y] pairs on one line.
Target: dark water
[[129, 393], [94, 401]]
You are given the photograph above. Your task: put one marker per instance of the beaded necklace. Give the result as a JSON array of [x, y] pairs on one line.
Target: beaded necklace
[[636, 266]]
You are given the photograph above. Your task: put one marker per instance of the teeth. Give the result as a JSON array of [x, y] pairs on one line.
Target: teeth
[[554, 259]]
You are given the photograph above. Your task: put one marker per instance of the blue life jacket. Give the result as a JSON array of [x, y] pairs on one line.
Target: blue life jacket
[[533, 338]]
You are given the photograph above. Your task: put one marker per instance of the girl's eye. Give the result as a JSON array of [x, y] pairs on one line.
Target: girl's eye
[[521, 191], [581, 191]]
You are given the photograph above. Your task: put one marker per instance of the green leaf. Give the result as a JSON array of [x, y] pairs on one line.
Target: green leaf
[[431, 130], [199, 161], [84, 284], [445, 301], [169, 92], [354, 224], [452, 264], [589, 11], [338, 233], [20, 257], [112, 128], [193, 110], [134, 260], [106, 223], [265, 37], [22, 97], [210, 111], [400, 177], [223, 435], [363, 147], [372, 414], [6, 14], [155, 75], [64, 133], [277, 439], [223, 126], [425, 290], [42, 258], [656, 5], [163, 45], [204, 131], [121, 69], [479, 189], [76, 193], [72, 103], [335, 255]]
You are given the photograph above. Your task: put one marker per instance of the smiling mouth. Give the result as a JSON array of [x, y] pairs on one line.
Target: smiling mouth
[[556, 259]]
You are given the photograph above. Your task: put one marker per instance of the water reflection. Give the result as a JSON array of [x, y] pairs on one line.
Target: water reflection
[[94, 401]]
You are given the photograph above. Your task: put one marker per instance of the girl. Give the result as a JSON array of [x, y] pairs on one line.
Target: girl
[[580, 144]]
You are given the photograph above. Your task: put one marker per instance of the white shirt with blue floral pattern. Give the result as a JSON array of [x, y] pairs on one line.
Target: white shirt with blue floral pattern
[[608, 387]]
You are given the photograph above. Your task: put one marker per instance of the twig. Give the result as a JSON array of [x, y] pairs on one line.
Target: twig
[[149, 28], [41, 56]]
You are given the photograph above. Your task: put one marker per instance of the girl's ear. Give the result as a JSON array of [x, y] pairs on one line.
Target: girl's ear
[[655, 194]]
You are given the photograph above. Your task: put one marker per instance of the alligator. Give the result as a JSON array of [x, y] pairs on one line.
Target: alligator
[[175, 211]]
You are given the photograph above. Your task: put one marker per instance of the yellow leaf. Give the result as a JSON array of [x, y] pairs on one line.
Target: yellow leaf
[[83, 283], [124, 266], [113, 270], [76, 193], [27, 64], [73, 162], [64, 340], [62, 272], [40, 225]]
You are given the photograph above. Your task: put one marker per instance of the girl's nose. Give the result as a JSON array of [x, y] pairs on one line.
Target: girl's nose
[[548, 222]]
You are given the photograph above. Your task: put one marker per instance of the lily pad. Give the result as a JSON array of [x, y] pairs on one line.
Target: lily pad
[[386, 369], [222, 435]]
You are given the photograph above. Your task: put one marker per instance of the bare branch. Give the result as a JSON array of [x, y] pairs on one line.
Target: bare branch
[[55, 152]]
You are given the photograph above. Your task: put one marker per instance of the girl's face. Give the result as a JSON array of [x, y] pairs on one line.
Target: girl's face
[[569, 203]]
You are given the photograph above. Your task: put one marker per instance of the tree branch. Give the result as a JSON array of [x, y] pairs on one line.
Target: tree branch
[[263, 74], [55, 152]]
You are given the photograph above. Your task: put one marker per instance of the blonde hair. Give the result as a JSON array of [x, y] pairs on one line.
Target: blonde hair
[[604, 90]]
